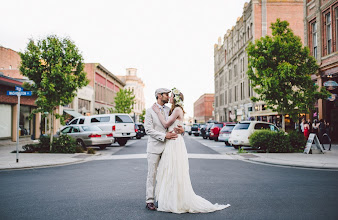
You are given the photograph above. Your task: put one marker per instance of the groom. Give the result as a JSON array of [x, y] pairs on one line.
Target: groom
[[156, 141]]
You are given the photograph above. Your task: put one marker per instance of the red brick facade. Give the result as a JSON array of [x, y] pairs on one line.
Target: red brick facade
[[203, 108], [321, 35]]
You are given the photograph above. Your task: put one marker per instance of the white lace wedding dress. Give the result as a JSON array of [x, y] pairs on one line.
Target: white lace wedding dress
[[174, 191]]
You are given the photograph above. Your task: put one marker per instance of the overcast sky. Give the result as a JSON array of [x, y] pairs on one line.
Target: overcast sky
[[170, 42]]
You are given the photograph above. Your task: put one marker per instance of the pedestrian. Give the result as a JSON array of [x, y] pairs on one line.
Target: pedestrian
[[315, 127], [310, 125], [306, 130], [302, 125], [321, 131]]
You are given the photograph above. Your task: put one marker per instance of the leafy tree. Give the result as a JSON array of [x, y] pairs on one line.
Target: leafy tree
[[55, 66], [124, 101], [280, 69], [142, 116]]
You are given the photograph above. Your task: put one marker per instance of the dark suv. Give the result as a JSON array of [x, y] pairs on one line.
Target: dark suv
[[139, 130], [195, 129]]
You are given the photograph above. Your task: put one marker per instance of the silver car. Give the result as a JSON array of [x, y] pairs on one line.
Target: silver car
[[88, 135]]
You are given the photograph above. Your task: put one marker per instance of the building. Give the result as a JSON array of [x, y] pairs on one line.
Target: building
[[321, 33], [203, 108], [9, 111], [232, 86], [98, 97], [135, 84], [9, 78]]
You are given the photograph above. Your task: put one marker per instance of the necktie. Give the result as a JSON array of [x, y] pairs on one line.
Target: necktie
[[163, 113]]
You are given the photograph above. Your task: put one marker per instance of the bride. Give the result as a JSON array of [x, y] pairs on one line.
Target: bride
[[174, 191]]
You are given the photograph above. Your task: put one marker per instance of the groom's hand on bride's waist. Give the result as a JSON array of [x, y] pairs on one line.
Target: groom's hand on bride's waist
[[179, 129], [171, 135]]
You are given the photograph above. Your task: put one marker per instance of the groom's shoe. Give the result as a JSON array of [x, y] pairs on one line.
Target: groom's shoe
[[151, 206]]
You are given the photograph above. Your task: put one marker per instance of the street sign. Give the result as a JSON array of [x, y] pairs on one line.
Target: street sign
[[18, 88], [20, 93], [313, 137]]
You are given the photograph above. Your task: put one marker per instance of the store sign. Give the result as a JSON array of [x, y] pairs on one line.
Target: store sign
[[317, 147], [331, 85], [332, 97]]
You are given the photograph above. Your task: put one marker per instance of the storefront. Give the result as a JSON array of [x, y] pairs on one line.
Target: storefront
[[330, 106], [9, 108]]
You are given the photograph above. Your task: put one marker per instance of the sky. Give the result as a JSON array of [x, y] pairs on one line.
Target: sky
[[170, 42]]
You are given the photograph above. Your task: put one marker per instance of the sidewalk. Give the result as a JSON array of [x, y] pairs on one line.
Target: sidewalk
[[328, 160], [34, 160]]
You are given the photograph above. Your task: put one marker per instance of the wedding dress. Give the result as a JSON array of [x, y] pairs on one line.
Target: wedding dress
[[174, 191]]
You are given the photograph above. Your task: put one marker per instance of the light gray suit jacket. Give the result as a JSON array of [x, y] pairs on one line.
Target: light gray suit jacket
[[156, 131]]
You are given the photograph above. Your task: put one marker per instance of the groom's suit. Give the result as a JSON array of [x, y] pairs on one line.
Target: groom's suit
[[155, 147]]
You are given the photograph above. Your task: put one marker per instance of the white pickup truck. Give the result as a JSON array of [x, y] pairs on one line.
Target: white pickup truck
[[121, 125]]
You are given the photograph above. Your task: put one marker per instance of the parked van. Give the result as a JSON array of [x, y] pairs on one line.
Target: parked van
[[121, 125], [240, 135]]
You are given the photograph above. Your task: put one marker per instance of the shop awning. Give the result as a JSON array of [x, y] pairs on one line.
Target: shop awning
[[73, 113], [263, 113]]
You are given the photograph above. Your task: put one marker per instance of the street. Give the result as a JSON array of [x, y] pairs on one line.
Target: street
[[114, 188]]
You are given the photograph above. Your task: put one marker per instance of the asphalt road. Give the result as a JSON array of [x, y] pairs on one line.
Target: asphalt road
[[115, 189]]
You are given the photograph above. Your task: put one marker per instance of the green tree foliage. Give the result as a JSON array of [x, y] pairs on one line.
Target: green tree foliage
[[124, 101], [142, 116], [280, 69], [55, 66]]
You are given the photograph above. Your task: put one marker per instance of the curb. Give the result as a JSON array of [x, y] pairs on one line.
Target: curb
[[48, 165], [42, 166], [292, 165]]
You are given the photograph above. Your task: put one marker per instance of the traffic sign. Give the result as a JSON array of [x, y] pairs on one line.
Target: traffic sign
[[23, 93]]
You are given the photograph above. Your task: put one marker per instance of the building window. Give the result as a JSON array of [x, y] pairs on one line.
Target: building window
[[221, 99], [235, 71], [328, 32], [225, 56], [314, 39], [235, 93], [216, 101], [226, 97], [249, 89], [336, 37], [230, 75], [230, 95]]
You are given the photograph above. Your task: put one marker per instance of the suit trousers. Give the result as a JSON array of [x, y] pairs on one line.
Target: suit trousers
[[153, 160]]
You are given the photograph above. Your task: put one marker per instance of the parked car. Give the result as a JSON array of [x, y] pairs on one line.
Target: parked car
[[240, 135], [215, 129], [195, 129], [207, 130], [140, 131], [121, 125], [88, 135], [225, 132], [203, 131], [187, 128]]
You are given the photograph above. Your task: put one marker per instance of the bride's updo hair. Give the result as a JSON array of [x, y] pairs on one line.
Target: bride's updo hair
[[178, 102]]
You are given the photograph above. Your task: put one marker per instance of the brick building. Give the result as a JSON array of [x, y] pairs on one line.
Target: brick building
[[9, 78], [104, 86], [232, 86], [321, 33], [203, 108]]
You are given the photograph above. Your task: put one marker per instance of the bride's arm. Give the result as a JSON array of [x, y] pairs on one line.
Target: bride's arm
[[171, 118]]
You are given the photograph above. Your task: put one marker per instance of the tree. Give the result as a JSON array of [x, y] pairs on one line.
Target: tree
[[142, 116], [280, 69], [55, 66], [124, 101]]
